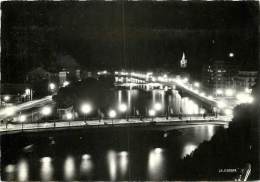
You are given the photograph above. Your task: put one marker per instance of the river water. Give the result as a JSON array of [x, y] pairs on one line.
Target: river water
[[99, 154]]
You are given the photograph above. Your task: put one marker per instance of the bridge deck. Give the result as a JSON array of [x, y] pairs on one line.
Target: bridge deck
[[157, 124]]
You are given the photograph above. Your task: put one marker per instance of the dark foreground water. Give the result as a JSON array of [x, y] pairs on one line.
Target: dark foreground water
[[98, 154]]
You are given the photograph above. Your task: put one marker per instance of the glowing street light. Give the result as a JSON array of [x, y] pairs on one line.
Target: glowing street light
[[248, 91], [69, 116], [157, 106], [22, 119], [229, 92], [151, 113], [185, 80], [202, 94], [52, 86], [221, 104], [66, 83], [197, 84], [85, 109], [27, 91], [210, 97], [228, 112], [122, 107], [231, 54], [219, 92], [202, 111], [112, 114], [6, 98], [46, 111]]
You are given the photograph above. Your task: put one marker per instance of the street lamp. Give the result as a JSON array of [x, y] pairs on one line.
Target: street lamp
[[219, 92], [185, 80], [28, 93], [221, 104], [52, 86], [69, 116], [228, 112], [66, 83], [112, 114], [229, 92], [202, 94], [231, 54], [22, 119], [123, 109], [196, 84], [157, 106], [152, 113], [6, 98], [46, 111], [85, 109], [210, 97], [202, 112]]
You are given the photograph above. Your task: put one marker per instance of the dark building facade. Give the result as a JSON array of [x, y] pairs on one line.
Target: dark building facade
[[219, 75]]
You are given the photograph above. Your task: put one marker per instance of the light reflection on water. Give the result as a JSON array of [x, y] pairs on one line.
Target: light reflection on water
[[46, 171], [188, 149], [23, 170], [117, 164], [123, 163], [10, 172], [112, 164], [176, 103], [86, 165], [156, 164], [69, 168]]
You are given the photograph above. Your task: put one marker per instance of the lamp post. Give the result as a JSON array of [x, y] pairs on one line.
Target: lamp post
[[85, 109], [157, 107], [112, 114], [22, 119], [52, 87], [152, 113], [123, 109], [69, 116], [46, 111], [6, 98], [28, 93]]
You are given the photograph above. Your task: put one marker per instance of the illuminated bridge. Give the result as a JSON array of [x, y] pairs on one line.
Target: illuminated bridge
[[149, 81], [156, 123]]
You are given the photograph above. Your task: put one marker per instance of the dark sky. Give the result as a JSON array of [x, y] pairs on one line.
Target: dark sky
[[136, 35]]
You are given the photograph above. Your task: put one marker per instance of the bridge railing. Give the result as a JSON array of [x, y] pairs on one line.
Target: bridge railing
[[57, 124]]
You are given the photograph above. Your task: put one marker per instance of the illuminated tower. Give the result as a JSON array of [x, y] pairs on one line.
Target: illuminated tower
[[183, 61]]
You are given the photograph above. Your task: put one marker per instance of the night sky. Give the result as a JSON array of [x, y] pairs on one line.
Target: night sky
[[133, 35]]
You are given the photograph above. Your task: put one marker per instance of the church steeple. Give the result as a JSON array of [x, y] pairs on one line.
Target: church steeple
[[183, 61]]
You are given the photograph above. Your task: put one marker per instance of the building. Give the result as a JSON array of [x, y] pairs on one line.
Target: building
[[63, 76], [183, 61], [245, 79], [219, 75]]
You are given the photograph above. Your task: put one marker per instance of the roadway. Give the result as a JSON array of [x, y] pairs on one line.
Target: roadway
[[158, 123]]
